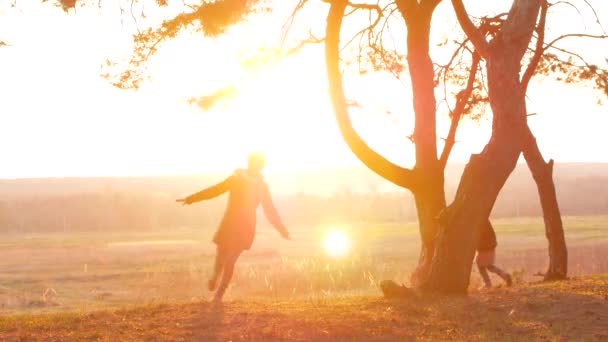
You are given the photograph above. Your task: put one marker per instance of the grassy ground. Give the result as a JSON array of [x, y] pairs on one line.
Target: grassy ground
[[93, 271], [572, 310]]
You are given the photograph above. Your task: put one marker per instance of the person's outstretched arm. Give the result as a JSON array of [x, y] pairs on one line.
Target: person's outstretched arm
[[272, 215], [208, 193]]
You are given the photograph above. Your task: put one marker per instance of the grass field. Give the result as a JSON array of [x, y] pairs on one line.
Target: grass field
[[571, 310], [91, 271]]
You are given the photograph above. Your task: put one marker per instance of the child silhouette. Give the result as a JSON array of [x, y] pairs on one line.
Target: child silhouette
[[247, 190]]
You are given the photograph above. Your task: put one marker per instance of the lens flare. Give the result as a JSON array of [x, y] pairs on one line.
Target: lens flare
[[336, 243]]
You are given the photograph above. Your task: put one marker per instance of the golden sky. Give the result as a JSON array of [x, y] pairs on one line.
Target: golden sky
[[60, 118]]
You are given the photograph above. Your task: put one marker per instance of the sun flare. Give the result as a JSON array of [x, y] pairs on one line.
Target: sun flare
[[336, 243]]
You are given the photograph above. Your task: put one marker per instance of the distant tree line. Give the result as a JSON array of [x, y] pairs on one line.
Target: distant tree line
[[141, 211]]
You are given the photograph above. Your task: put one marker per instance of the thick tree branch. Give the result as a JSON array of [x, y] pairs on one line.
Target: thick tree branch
[[370, 7], [430, 5], [538, 53], [392, 172], [542, 172], [472, 32], [406, 7], [461, 103], [519, 27]]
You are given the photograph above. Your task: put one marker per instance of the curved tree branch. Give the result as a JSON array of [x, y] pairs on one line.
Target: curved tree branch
[[472, 32], [442, 70], [371, 26], [461, 103], [538, 53], [286, 28], [570, 35], [597, 18], [396, 174], [134, 18]]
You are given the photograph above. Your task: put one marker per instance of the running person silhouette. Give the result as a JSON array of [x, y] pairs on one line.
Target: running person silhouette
[[247, 190], [486, 255]]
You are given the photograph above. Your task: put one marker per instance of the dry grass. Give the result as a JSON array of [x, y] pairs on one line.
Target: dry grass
[[93, 271], [573, 310]]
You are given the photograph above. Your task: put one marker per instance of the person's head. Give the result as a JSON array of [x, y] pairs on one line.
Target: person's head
[[255, 162]]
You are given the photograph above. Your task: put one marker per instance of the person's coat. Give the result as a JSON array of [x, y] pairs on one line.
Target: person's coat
[[487, 237], [246, 193]]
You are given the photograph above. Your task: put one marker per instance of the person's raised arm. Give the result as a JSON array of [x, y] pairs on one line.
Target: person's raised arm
[[208, 193], [271, 213]]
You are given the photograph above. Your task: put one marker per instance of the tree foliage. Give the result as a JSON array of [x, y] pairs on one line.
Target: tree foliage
[[209, 18], [373, 47]]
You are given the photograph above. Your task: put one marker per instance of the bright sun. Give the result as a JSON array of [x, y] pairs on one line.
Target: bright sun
[[336, 243]]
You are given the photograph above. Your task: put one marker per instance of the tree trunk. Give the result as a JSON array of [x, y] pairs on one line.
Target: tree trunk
[[486, 173], [430, 202], [542, 173], [429, 194], [484, 176], [426, 180]]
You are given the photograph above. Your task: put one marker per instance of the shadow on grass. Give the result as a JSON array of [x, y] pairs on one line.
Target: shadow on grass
[[563, 311], [208, 324]]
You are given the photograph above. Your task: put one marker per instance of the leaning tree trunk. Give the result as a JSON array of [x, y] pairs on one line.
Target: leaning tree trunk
[[482, 180], [483, 177], [486, 173], [542, 172]]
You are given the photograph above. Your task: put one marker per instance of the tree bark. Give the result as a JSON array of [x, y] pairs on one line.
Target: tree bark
[[542, 172], [430, 202], [484, 176], [429, 194]]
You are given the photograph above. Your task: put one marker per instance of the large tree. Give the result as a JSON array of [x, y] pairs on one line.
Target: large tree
[[426, 179], [542, 58], [509, 45], [486, 173]]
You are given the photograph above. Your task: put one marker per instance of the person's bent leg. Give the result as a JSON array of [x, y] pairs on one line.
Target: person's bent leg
[[484, 276], [220, 259], [231, 258], [504, 275]]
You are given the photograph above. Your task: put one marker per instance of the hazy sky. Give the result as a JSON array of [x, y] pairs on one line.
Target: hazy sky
[[60, 118]]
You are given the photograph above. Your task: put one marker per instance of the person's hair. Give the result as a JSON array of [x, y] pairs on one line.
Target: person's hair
[[256, 159]]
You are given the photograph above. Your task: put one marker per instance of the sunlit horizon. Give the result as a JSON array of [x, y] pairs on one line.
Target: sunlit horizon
[[61, 119]]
